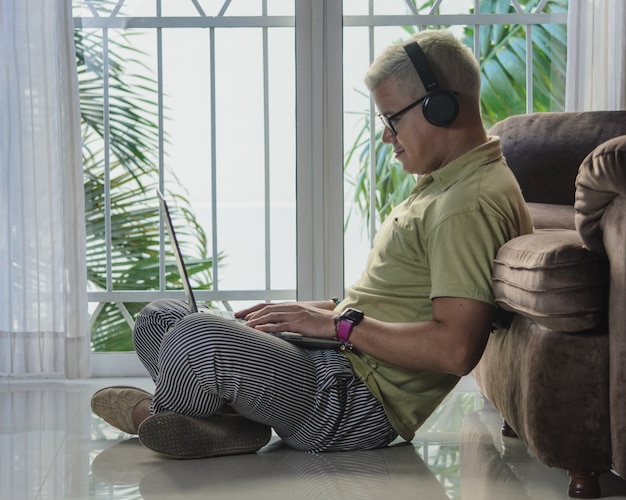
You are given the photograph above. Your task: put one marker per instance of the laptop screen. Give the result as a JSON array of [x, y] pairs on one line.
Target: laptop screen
[[193, 307]]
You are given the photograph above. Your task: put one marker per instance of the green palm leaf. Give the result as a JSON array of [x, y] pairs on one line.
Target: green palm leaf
[[134, 237]]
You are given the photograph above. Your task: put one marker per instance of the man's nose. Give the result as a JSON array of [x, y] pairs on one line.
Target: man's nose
[[388, 136]]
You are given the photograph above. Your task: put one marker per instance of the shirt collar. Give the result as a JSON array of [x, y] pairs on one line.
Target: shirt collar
[[447, 175]]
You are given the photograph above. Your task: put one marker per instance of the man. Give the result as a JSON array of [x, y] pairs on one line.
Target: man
[[416, 320]]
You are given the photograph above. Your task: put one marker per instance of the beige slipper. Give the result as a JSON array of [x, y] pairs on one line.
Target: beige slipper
[[181, 436], [115, 405]]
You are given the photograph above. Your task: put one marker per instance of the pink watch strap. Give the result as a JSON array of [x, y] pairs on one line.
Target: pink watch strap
[[344, 328]]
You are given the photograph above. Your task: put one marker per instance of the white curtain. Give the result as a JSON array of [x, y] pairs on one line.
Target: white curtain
[[43, 301], [596, 55]]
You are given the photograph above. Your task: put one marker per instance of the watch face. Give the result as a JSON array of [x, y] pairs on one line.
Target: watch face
[[353, 315]]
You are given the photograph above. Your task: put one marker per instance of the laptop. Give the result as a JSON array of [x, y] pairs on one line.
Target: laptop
[[294, 338]]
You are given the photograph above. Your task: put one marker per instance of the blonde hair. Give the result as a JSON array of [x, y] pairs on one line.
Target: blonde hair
[[452, 62]]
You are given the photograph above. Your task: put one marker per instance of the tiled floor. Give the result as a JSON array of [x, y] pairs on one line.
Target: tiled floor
[[52, 447]]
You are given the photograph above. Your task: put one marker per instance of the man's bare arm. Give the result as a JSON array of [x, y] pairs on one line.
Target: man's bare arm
[[452, 342]]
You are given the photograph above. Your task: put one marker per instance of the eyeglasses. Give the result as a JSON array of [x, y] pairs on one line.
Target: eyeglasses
[[388, 120]]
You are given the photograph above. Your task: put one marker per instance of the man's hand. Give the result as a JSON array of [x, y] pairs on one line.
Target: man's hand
[[312, 319]]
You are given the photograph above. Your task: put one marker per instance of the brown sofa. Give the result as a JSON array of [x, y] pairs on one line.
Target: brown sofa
[[555, 364]]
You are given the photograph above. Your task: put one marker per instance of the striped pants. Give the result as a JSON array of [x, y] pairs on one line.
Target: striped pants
[[311, 398]]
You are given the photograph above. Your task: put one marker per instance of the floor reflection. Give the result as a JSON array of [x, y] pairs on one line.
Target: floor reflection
[[53, 447], [494, 467], [276, 472]]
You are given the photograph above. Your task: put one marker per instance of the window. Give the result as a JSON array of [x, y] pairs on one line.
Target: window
[[199, 102]]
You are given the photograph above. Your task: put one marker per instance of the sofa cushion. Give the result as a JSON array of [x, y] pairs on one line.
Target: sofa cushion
[[548, 216], [552, 278]]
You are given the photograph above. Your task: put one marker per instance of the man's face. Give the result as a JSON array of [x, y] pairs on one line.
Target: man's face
[[415, 144]]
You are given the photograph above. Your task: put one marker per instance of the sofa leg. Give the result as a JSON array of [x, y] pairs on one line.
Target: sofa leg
[[584, 484], [507, 430]]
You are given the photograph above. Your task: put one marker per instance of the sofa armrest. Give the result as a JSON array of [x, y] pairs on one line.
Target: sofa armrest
[[601, 221], [601, 178], [550, 277]]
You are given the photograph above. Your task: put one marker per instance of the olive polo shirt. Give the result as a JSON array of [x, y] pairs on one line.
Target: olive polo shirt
[[439, 242]]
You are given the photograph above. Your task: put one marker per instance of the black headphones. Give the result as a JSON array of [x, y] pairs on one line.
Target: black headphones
[[441, 107]]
